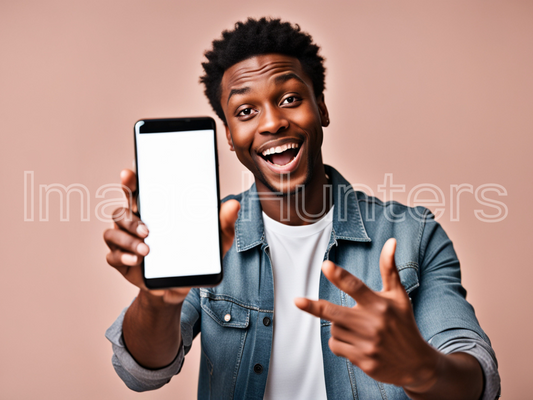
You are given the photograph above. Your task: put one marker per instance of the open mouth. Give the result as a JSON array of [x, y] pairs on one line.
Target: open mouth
[[281, 155]]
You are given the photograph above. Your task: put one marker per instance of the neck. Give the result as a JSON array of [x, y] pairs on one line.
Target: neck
[[303, 207]]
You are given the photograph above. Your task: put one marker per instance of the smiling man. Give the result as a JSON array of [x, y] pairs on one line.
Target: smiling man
[[327, 292], [274, 124]]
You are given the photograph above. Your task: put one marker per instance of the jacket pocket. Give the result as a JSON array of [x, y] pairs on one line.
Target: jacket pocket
[[409, 276], [224, 330], [226, 313]]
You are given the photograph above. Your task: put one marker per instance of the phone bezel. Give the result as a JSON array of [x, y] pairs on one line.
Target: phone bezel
[[161, 125]]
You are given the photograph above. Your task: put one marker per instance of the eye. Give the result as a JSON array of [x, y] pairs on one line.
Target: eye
[[290, 100], [245, 112]]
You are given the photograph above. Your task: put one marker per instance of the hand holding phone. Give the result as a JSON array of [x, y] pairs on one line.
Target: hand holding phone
[[178, 189], [124, 239]]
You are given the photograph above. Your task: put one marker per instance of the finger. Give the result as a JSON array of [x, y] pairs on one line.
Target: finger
[[122, 259], [348, 334], [341, 333], [175, 296], [387, 267], [170, 296], [341, 349], [119, 239], [129, 222], [229, 212], [127, 264], [324, 309], [129, 185], [348, 283]]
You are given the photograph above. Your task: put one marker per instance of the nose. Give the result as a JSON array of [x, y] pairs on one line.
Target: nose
[[272, 120]]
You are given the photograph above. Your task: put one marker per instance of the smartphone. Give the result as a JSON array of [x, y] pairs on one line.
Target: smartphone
[[179, 201]]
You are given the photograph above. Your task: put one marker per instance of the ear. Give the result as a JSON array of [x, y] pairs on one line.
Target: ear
[[228, 136], [324, 115]]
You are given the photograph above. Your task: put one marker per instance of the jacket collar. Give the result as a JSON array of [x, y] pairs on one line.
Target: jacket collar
[[347, 221]]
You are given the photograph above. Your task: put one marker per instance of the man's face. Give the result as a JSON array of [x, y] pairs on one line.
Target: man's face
[[274, 121]]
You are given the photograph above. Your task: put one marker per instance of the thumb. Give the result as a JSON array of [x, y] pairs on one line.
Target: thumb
[[387, 266], [128, 179], [229, 212]]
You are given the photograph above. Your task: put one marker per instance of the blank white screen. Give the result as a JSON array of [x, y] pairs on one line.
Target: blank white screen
[[179, 202]]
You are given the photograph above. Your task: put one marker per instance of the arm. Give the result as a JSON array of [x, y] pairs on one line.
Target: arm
[[444, 317], [139, 378], [454, 376], [381, 337], [150, 332], [135, 376]]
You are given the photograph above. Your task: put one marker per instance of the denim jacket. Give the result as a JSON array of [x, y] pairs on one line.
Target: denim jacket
[[234, 317]]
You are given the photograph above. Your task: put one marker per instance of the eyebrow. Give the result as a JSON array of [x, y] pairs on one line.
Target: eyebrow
[[243, 90], [287, 77], [278, 80]]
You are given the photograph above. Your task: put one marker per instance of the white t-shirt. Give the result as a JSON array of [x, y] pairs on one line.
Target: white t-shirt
[[296, 366]]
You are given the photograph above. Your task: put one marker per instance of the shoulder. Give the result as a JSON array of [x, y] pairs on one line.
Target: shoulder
[[374, 209], [237, 197], [413, 227]]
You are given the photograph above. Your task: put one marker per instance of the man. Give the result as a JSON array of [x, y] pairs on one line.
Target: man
[[391, 320]]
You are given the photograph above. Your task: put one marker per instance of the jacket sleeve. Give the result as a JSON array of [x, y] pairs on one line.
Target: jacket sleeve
[[141, 379], [445, 319]]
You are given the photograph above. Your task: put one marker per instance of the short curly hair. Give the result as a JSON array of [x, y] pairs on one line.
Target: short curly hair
[[256, 37]]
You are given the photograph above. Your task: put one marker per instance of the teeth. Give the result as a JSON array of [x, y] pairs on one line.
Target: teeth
[[280, 149]]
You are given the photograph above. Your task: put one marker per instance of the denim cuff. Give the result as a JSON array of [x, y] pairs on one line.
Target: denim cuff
[[134, 375], [478, 349]]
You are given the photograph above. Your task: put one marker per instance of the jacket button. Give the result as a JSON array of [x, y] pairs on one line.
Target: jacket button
[[227, 317], [258, 368], [266, 321]]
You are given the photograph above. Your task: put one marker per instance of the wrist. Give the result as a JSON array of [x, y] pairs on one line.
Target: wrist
[[425, 375], [156, 304], [151, 330]]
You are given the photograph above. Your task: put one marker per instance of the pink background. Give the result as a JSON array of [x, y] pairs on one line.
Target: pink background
[[434, 92]]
